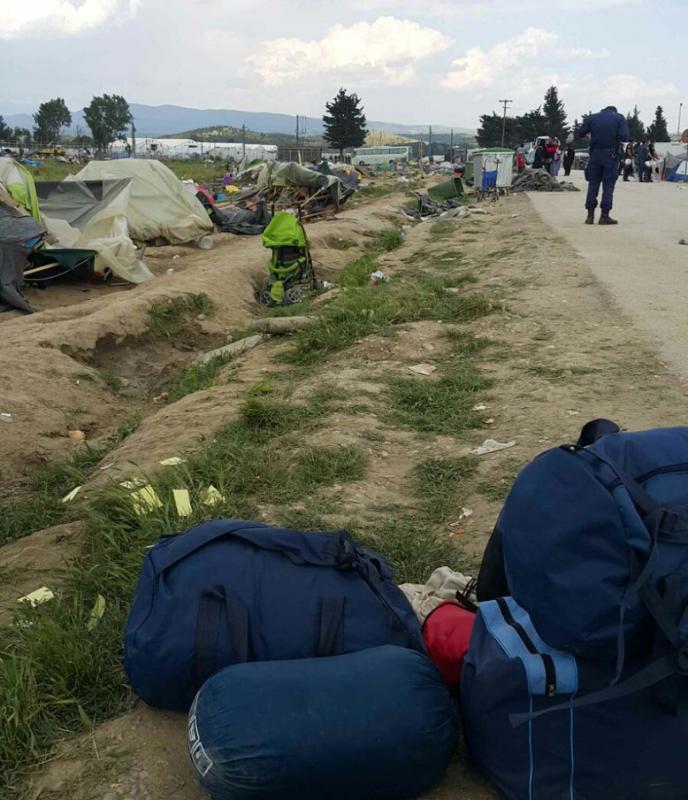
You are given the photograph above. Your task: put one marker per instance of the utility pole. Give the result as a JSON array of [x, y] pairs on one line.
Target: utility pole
[[430, 144], [506, 104], [297, 130], [680, 109], [243, 144], [133, 139]]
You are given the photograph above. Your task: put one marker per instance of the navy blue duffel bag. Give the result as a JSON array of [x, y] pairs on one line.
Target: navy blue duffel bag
[[545, 725], [230, 591], [375, 725], [589, 533]]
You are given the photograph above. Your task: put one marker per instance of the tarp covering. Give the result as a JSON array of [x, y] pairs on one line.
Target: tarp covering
[[676, 167], [94, 215], [18, 181], [446, 190], [19, 233], [159, 207]]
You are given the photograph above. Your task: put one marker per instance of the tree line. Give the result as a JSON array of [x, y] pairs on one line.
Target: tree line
[[107, 116], [550, 119]]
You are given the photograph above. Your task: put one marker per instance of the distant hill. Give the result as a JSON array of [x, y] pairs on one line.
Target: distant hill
[[227, 133], [169, 119]]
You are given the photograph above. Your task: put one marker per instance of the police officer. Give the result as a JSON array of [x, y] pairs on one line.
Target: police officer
[[607, 130]]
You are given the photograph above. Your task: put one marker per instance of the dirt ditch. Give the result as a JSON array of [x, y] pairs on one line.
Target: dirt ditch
[[553, 353]]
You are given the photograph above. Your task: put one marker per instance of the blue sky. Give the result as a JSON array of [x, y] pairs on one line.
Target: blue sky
[[412, 61]]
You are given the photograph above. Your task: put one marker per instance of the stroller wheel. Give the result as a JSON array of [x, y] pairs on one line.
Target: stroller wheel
[[266, 298], [294, 295]]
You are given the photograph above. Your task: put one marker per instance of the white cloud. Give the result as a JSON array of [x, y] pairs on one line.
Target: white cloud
[[462, 8], [629, 88], [483, 68], [41, 18], [384, 51]]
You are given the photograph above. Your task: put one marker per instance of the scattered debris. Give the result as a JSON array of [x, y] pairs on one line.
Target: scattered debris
[[96, 613], [37, 597], [491, 446], [423, 369], [182, 501], [480, 407], [211, 496], [145, 500], [71, 495], [76, 435], [233, 349], [5, 417], [175, 461], [133, 483], [454, 290], [377, 277], [161, 398], [539, 180]]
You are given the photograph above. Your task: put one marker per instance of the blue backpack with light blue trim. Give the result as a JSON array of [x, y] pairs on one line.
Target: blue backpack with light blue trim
[[544, 725]]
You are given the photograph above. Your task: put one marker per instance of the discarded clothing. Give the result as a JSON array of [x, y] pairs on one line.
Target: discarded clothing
[[441, 586], [539, 180]]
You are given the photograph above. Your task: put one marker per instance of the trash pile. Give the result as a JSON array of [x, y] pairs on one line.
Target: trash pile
[[539, 180], [289, 186], [439, 199]]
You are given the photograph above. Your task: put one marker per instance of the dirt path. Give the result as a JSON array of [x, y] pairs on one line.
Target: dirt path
[[640, 260], [557, 350]]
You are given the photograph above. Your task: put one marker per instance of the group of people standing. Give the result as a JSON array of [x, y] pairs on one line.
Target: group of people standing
[[640, 161], [547, 155]]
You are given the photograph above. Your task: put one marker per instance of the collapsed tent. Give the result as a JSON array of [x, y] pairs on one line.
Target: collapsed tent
[[20, 235], [234, 219], [285, 185], [539, 180], [93, 215], [158, 207]]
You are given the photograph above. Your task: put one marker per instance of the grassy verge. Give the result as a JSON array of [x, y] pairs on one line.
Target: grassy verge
[[169, 317], [40, 505], [197, 377], [368, 309]]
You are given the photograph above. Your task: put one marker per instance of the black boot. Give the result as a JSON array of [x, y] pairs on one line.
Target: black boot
[[590, 219], [605, 219]]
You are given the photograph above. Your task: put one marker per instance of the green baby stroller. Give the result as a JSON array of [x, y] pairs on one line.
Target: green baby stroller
[[291, 273]]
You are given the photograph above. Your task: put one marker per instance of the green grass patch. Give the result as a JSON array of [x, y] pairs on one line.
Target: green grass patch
[[389, 239], [358, 271], [437, 483], [197, 377], [364, 310], [170, 317], [443, 229], [372, 192], [339, 243], [40, 505], [442, 406]]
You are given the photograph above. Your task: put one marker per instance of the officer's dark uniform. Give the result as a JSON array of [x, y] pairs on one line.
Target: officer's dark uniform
[[607, 130]]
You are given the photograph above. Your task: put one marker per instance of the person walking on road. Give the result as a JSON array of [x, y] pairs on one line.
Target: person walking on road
[[569, 157], [642, 155], [607, 129]]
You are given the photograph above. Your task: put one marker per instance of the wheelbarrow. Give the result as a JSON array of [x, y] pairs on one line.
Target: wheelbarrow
[[53, 263]]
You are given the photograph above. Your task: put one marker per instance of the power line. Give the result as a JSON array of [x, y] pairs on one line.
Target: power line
[[506, 104]]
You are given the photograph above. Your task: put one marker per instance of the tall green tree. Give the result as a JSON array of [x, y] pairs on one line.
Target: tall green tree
[[658, 131], [554, 115], [580, 143], [107, 117], [636, 128], [345, 122], [49, 120], [532, 124], [490, 131], [5, 131]]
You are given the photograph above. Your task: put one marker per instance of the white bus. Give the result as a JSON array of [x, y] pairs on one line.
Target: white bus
[[374, 156]]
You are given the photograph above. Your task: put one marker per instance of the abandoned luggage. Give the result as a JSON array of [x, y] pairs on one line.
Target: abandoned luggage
[[375, 725], [603, 742], [230, 591], [447, 635], [588, 535]]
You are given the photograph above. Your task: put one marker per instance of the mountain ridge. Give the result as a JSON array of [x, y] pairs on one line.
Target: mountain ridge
[[167, 119]]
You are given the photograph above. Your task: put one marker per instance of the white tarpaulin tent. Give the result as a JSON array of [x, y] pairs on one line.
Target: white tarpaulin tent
[[93, 216], [159, 207]]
